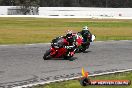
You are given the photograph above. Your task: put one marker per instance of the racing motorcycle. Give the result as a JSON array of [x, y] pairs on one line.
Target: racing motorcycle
[[58, 50], [81, 45]]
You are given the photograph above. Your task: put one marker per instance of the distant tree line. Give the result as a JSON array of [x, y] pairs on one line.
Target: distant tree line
[[71, 3], [19, 2], [25, 6]]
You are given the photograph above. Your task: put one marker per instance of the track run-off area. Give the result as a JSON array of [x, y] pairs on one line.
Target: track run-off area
[[23, 64]]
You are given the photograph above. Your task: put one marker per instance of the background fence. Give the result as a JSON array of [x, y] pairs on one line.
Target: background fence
[[77, 11]]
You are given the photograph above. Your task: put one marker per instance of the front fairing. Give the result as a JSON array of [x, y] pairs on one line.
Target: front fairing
[[58, 52]]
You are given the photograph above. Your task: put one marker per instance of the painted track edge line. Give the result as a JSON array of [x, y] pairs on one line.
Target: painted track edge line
[[50, 43], [24, 44], [40, 83]]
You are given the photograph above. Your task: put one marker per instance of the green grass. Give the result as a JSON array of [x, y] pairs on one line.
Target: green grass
[[41, 30], [100, 24], [76, 84]]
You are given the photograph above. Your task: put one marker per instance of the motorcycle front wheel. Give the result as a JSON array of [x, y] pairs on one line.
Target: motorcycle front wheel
[[47, 55]]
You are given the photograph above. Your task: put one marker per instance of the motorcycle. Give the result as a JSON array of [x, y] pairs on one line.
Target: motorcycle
[[81, 45], [58, 50]]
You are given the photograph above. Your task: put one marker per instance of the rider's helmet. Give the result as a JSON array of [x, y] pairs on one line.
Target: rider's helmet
[[69, 36], [85, 28], [85, 31]]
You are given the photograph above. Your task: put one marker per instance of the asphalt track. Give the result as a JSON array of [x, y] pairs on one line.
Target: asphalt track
[[23, 64]]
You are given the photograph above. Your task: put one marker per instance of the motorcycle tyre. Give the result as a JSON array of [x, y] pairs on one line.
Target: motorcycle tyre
[[47, 55], [85, 82]]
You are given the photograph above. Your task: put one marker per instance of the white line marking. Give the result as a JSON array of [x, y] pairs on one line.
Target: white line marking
[[24, 44], [50, 43], [40, 83]]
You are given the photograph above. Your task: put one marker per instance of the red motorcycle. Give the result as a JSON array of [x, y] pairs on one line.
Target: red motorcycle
[[58, 50]]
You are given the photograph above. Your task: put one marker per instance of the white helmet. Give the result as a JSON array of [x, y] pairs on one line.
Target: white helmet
[[85, 28]]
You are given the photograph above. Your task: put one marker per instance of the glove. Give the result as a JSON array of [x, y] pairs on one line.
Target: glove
[[69, 47]]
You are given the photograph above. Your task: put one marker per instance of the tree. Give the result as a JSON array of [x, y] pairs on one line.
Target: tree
[[27, 5], [68, 3]]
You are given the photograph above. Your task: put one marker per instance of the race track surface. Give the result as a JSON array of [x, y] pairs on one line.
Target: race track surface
[[23, 64]]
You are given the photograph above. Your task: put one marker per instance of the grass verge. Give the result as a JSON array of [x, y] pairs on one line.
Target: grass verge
[[41, 30], [76, 84]]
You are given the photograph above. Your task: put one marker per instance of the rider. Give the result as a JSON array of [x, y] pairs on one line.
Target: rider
[[69, 42], [85, 33]]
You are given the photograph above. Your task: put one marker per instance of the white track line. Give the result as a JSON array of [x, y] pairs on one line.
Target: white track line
[[104, 73], [24, 44], [50, 43]]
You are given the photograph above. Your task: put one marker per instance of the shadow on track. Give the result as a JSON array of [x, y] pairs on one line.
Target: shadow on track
[[84, 52], [87, 51], [70, 59]]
